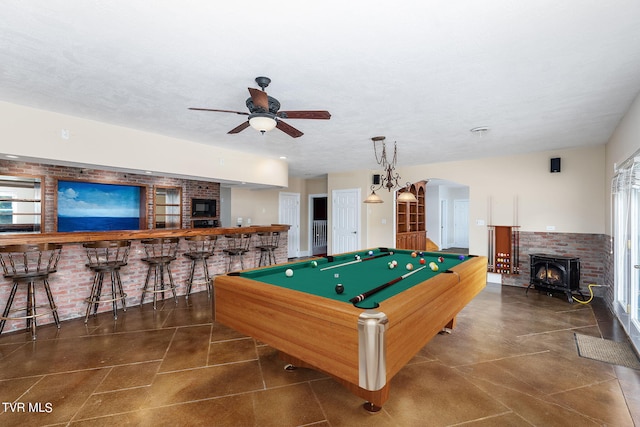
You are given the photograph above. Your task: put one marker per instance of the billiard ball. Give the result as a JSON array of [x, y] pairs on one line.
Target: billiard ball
[[461, 257], [314, 264], [422, 261], [440, 259], [420, 254], [357, 257], [339, 288], [370, 253], [414, 254], [409, 266], [391, 265], [431, 264], [395, 263], [288, 272], [434, 267]]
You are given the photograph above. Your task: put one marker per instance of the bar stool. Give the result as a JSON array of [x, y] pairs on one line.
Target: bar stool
[[268, 245], [237, 247], [106, 257], [200, 249], [158, 255], [29, 264]]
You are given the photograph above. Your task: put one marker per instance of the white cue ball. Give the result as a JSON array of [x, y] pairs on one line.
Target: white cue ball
[[288, 272]]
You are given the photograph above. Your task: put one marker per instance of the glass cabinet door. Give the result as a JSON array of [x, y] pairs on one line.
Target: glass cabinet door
[[167, 207], [20, 204]]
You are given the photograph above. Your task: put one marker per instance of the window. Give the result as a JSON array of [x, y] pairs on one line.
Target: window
[[20, 204], [626, 234], [167, 207]]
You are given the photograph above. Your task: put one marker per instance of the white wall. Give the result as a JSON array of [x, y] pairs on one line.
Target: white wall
[[262, 206], [624, 142], [36, 134], [501, 189]]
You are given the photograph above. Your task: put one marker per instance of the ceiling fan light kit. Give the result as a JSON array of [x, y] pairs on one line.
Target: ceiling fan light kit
[[264, 112], [262, 122]]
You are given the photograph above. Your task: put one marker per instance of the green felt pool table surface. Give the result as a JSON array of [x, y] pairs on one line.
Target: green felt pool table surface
[[357, 277]]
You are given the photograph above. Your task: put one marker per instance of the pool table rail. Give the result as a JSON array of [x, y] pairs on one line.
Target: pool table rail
[[322, 331]]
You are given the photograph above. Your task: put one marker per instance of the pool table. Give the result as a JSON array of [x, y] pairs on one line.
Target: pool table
[[362, 344]]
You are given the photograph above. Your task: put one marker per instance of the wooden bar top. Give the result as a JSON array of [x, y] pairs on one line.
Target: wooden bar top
[[94, 236]]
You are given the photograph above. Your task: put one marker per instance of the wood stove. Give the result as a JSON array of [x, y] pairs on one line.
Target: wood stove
[[555, 273]]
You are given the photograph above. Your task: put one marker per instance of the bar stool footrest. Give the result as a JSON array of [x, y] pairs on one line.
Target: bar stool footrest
[[31, 316], [111, 299]]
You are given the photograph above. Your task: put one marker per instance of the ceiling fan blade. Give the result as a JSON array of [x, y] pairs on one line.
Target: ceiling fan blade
[[288, 129], [219, 111], [259, 98], [318, 114], [240, 128]]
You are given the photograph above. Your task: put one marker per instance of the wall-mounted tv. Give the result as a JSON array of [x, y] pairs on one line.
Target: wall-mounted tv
[[91, 206]]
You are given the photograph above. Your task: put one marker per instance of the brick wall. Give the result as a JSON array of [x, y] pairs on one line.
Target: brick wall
[[71, 284], [50, 175], [592, 249]]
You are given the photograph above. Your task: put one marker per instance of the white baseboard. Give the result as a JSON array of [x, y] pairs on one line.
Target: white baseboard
[[494, 278]]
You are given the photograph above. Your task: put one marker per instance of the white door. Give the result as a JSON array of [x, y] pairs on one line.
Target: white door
[[345, 220], [444, 224], [289, 213], [461, 223]]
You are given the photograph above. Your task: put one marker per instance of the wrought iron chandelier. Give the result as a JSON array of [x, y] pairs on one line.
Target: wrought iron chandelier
[[390, 179]]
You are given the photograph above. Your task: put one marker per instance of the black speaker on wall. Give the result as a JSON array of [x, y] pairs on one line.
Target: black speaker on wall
[[376, 179], [555, 164]]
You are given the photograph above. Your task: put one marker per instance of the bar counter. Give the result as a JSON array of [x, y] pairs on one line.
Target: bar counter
[[83, 237], [71, 283]]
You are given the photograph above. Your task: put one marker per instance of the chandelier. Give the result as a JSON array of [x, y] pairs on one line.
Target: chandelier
[[390, 179]]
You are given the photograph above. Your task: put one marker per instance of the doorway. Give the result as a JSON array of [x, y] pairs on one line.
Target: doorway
[[447, 212], [318, 224]]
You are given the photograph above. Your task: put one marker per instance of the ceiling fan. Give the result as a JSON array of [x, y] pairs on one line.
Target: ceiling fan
[[264, 112]]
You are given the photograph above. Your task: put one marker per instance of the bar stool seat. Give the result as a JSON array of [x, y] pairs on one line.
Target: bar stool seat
[[159, 253], [106, 257], [200, 249], [237, 247], [28, 265], [268, 244]]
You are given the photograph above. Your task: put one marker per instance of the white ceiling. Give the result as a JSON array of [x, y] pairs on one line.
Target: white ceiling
[[542, 75]]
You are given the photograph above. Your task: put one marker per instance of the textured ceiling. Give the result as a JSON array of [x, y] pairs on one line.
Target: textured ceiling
[[542, 75]]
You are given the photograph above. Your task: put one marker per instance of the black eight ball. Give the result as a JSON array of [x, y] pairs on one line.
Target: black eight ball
[[339, 288]]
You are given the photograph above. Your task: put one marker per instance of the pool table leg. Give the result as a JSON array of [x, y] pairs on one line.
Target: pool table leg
[[374, 399], [448, 327]]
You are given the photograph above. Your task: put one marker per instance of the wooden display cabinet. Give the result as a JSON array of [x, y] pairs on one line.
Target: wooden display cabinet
[[411, 219]]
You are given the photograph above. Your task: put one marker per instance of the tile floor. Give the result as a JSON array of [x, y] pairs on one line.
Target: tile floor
[[511, 361]]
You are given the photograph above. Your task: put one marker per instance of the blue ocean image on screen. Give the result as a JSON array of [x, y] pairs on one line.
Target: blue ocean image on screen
[[88, 206]]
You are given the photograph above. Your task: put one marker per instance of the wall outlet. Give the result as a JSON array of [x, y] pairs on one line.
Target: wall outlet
[[551, 227]]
